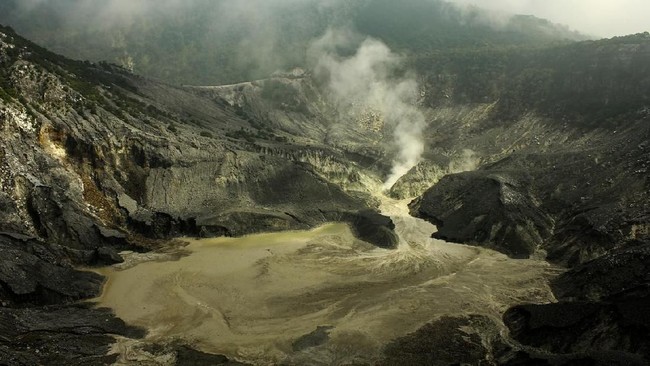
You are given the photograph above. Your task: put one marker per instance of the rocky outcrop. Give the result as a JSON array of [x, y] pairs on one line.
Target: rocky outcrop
[[415, 182], [616, 324], [609, 331], [573, 186], [60, 335], [312, 339], [33, 273], [588, 210], [616, 272], [577, 205], [113, 157], [470, 340], [602, 313], [491, 209], [370, 226], [186, 356]]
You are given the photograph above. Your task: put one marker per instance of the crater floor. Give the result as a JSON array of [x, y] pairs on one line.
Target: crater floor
[[261, 298]]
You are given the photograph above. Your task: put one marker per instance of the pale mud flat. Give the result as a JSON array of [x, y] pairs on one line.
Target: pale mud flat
[[251, 298]]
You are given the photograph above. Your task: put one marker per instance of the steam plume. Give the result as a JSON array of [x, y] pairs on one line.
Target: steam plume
[[368, 77]]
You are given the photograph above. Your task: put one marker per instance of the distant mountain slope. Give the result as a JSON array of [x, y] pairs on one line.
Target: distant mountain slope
[[421, 25], [585, 82], [215, 42]]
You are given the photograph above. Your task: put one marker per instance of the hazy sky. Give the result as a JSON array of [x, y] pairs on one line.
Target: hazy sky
[[605, 18]]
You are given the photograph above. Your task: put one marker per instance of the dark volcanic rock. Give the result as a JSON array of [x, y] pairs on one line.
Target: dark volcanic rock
[[186, 356], [476, 340], [602, 316], [108, 255], [603, 313], [369, 226], [577, 205], [448, 341], [593, 231], [618, 271], [72, 335], [313, 339], [59, 219], [491, 209], [243, 222], [375, 228], [33, 273], [595, 358], [619, 323]]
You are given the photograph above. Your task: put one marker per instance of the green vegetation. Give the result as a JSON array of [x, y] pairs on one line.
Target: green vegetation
[[283, 94], [420, 26], [8, 92], [253, 121], [526, 64], [242, 134], [278, 91], [587, 81], [82, 76], [209, 42], [250, 135], [8, 95]]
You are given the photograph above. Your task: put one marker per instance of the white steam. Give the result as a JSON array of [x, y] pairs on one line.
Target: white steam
[[367, 77], [465, 162]]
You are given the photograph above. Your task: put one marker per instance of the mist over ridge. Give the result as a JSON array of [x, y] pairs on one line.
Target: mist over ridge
[[205, 42], [598, 18]]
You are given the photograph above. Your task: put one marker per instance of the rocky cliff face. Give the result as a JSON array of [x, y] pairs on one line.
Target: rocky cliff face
[[135, 156], [576, 205], [562, 163], [95, 160], [570, 182]]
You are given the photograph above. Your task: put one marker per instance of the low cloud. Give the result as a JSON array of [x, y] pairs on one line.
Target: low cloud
[[603, 18]]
